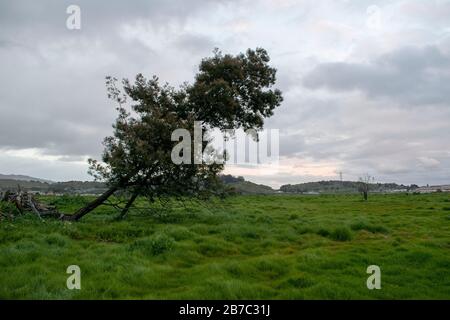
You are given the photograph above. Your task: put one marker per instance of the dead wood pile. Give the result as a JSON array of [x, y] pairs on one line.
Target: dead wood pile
[[26, 202]]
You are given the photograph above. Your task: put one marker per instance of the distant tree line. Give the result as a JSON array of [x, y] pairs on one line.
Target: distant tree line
[[336, 186]]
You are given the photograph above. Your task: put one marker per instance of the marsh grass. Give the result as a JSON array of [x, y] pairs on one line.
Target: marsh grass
[[246, 247]]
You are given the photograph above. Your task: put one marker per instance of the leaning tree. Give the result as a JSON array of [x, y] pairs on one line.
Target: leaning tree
[[229, 92]]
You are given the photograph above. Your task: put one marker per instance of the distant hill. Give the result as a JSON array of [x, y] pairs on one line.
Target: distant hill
[[236, 184], [70, 187], [241, 186], [334, 186], [19, 177], [13, 185]]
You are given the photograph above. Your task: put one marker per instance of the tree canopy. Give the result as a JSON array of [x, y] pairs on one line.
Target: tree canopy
[[229, 92]]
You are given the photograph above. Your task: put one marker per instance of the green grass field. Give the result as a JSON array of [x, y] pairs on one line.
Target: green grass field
[[244, 247]]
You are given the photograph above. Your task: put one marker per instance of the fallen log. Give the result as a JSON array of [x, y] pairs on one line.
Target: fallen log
[[91, 206]]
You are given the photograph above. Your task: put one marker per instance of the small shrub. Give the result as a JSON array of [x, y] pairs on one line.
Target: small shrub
[[304, 230], [341, 234], [361, 225], [323, 232], [180, 233], [161, 243], [55, 239], [9, 208], [155, 245]]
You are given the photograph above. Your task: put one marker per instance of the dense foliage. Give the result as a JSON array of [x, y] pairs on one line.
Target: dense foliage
[[229, 92]]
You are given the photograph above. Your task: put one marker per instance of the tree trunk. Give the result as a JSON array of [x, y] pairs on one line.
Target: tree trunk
[[91, 206], [128, 206], [365, 195]]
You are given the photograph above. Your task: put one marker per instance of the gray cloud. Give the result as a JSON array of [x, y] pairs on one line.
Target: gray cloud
[[408, 76], [383, 107], [52, 94]]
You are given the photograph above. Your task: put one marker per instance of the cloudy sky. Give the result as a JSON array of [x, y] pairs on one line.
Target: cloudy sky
[[366, 83]]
